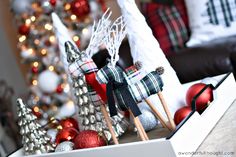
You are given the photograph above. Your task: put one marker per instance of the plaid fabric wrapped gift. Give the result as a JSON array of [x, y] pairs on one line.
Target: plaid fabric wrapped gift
[[169, 24]]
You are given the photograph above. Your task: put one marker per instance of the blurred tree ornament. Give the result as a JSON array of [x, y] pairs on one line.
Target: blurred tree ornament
[[34, 138], [89, 139], [24, 29], [22, 6], [48, 81], [80, 8], [181, 113], [66, 134], [59, 89], [64, 146], [203, 100], [69, 123]]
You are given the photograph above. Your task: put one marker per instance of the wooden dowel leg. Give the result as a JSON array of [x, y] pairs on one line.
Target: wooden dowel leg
[[142, 129], [158, 115], [138, 127], [164, 104], [109, 125]]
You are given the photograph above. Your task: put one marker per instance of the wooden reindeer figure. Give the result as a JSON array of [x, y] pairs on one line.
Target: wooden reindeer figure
[[111, 76], [83, 69]]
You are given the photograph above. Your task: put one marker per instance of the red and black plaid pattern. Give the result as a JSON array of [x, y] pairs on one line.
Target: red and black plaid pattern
[[169, 24]]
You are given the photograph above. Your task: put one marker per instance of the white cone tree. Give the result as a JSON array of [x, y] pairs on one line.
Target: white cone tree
[[145, 48]]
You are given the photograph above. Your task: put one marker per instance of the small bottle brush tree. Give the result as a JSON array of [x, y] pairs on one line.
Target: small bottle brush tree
[[34, 138]]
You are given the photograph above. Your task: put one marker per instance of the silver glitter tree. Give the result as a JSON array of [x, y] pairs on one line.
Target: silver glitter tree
[[34, 138]]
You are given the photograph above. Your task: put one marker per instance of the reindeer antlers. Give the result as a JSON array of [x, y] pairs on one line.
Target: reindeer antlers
[[116, 34], [98, 33]]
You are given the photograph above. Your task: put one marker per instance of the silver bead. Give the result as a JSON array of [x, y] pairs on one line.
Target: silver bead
[[81, 82], [81, 102], [80, 91], [92, 119], [99, 126], [86, 111], [85, 121], [85, 89], [64, 146], [75, 84], [107, 135], [92, 127], [91, 109], [98, 116], [85, 99]]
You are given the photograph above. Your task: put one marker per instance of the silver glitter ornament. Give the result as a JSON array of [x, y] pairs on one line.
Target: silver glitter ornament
[[64, 146], [34, 138], [148, 119]]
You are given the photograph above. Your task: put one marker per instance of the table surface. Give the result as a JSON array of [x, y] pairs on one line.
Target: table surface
[[221, 139]]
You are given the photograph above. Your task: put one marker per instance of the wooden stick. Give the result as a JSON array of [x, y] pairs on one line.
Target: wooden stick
[[158, 115], [136, 123], [109, 125], [142, 129], [164, 104]]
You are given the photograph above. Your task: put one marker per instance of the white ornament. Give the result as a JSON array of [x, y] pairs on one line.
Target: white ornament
[[67, 110], [147, 118], [52, 133], [21, 6], [145, 48], [27, 54], [48, 81]]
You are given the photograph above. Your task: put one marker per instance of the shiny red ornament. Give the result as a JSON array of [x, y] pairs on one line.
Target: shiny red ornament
[[203, 99], [59, 89], [78, 43], [80, 8], [66, 134], [35, 70], [24, 30], [53, 2], [69, 123], [88, 139], [181, 113]]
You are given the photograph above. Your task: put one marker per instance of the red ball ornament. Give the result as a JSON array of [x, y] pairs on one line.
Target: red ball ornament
[[24, 30], [80, 8], [35, 70], [181, 113], [78, 43], [37, 111], [66, 134], [203, 99], [88, 139], [59, 89], [69, 123], [53, 2]]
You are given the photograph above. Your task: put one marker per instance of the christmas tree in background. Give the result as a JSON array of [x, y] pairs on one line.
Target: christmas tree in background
[[50, 94], [34, 138]]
